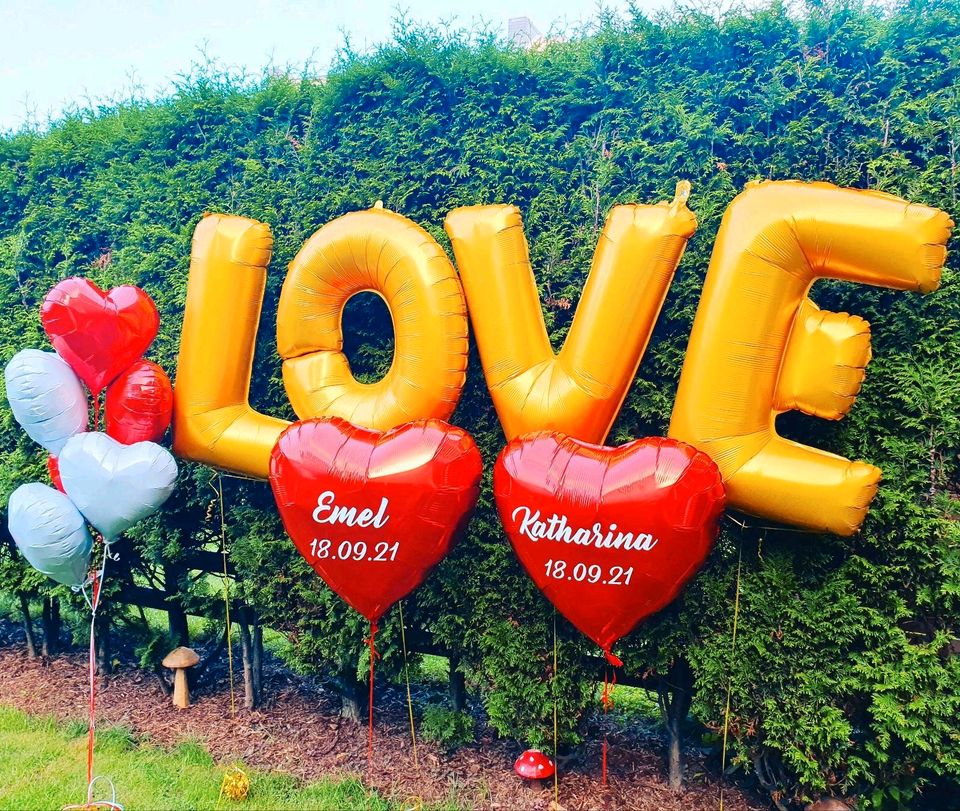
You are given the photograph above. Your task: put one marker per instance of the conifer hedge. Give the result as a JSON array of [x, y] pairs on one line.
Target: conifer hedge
[[845, 677]]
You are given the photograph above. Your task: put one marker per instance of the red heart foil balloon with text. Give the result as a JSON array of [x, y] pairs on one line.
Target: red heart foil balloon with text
[[373, 512], [609, 535], [98, 334], [139, 404]]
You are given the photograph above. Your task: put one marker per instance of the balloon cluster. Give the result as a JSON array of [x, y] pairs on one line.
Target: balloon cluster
[[110, 480], [609, 535]]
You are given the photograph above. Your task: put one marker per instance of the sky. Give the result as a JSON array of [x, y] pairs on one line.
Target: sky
[[58, 54]]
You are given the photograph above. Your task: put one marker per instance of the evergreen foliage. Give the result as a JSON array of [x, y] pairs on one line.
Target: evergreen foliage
[[845, 677]]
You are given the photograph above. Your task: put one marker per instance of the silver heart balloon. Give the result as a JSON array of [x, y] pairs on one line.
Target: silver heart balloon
[[50, 532], [46, 397], [115, 485]]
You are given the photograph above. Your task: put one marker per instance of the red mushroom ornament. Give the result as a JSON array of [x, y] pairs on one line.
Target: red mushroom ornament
[[534, 765]]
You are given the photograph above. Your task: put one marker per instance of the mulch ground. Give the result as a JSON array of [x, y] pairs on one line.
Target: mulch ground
[[300, 732]]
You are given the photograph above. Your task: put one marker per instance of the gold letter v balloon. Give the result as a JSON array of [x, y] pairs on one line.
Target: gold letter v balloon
[[579, 390]]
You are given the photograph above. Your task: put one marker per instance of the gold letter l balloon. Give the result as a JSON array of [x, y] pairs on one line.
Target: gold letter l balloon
[[213, 422], [760, 346]]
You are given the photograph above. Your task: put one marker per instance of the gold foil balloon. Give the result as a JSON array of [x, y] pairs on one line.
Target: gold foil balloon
[[760, 346], [213, 422], [382, 252], [375, 250], [579, 390]]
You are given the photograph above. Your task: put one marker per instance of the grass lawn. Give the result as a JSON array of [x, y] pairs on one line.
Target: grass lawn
[[43, 766]]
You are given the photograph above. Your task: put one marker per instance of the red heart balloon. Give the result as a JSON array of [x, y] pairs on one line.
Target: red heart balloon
[[373, 512], [139, 404], [99, 334], [53, 468], [609, 535]]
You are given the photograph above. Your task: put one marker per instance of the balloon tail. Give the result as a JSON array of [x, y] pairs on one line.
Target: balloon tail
[[616, 661], [91, 709]]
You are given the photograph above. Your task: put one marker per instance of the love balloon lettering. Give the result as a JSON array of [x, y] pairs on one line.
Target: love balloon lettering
[[759, 346]]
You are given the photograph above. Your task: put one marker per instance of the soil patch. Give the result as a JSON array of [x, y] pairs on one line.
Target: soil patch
[[299, 731]]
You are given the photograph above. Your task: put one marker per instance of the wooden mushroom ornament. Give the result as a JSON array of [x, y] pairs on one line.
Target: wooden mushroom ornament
[[179, 660]]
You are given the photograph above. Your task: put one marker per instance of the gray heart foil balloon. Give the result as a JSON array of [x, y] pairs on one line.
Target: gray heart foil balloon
[[46, 397], [115, 485], [50, 533]]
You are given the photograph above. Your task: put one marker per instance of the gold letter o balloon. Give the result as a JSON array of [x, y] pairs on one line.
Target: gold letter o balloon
[[381, 252]]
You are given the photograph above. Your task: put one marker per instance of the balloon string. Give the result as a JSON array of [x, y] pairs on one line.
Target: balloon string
[[96, 411], [373, 655], [406, 677], [91, 709], [553, 689], [733, 652], [604, 698], [607, 701], [218, 489], [92, 662], [744, 525]]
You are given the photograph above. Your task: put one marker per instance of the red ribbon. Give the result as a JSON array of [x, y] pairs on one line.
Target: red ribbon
[[607, 701]]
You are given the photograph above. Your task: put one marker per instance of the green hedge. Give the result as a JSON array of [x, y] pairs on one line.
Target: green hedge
[[843, 679]]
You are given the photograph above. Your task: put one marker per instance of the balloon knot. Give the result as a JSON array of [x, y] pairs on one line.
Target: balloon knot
[[371, 640], [616, 661]]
